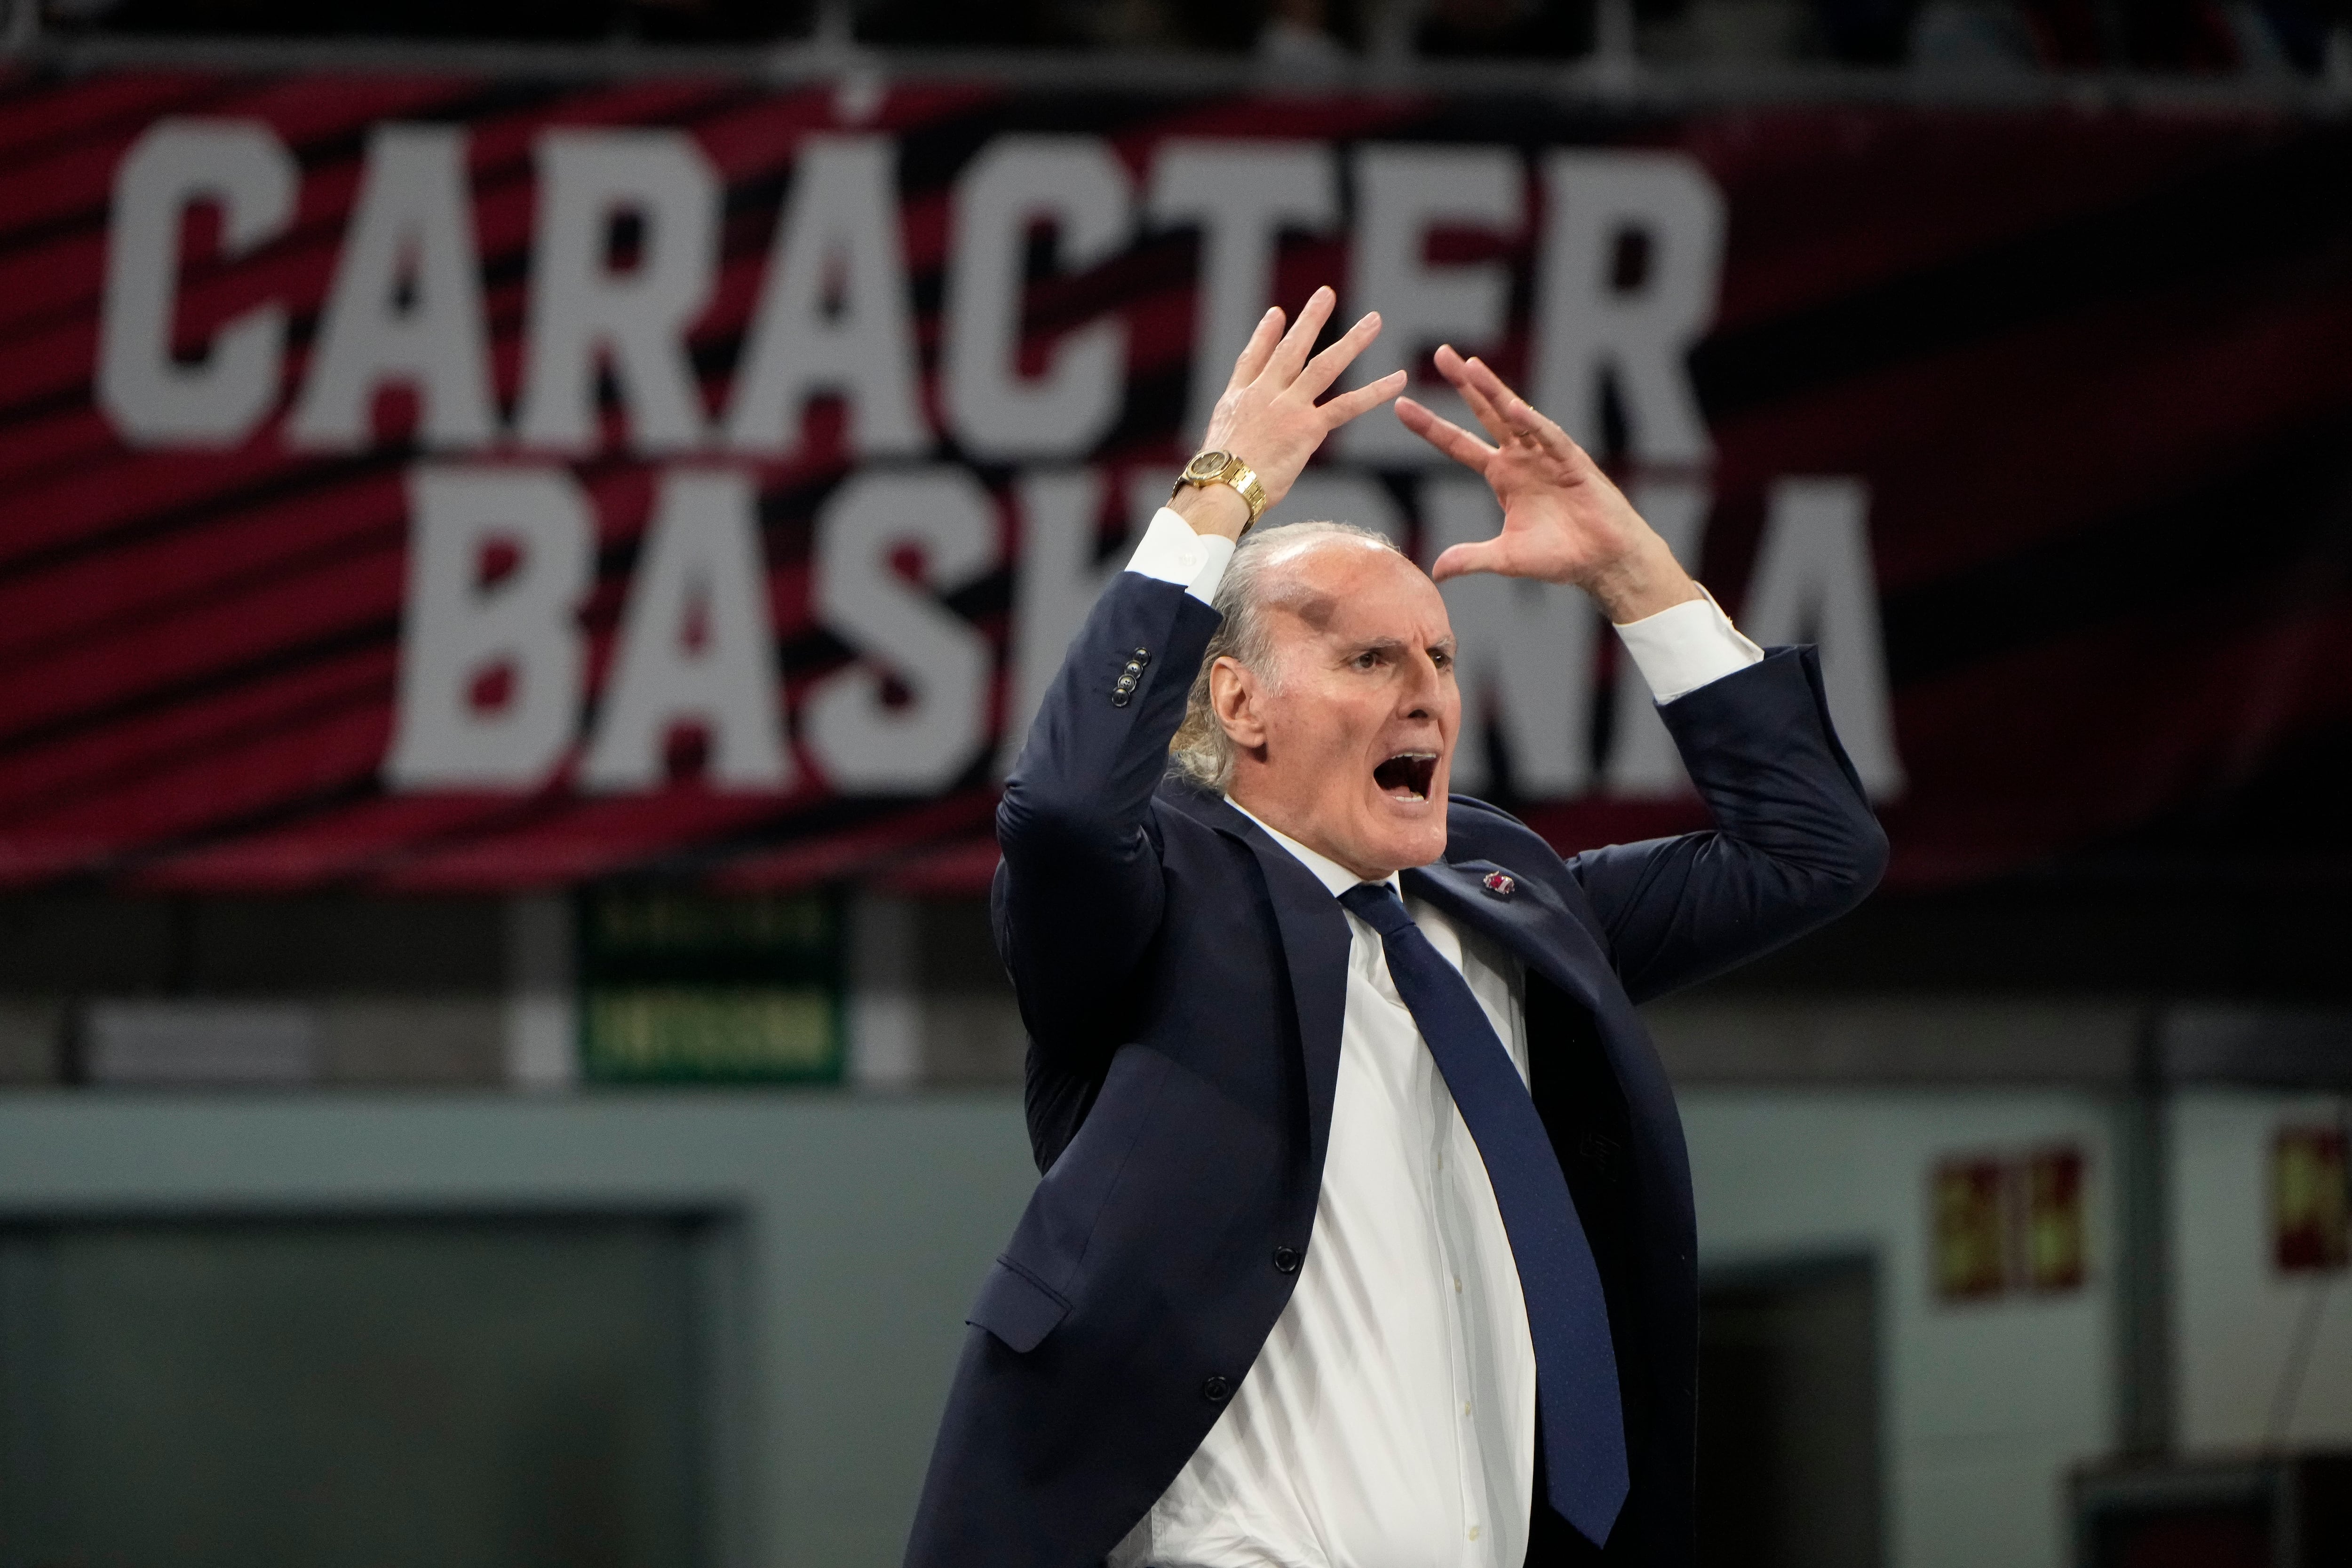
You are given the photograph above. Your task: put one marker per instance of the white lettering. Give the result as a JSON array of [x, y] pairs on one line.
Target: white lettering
[[241, 167], [939, 660], [406, 304], [1403, 193], [585, 308], [1587, 326], [1814, 582], [696, 646], [1642, 763], [490, 655], [1077, 185], [833, 313], [1242, 195]]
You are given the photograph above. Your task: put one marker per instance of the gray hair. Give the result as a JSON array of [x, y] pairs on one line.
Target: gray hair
[[1202, 752]]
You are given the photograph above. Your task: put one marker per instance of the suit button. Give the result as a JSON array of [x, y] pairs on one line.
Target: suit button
[[1215, 1390], [1121, 699], [1143, 655], [1285, 1260]]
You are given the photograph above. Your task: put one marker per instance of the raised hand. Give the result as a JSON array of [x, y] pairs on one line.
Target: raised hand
[[1269, 416], [1563, 519]]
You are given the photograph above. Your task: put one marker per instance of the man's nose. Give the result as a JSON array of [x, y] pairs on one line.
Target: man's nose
[[1418, 699]]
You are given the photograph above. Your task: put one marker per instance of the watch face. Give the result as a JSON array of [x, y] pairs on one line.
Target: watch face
[[1207, 466]]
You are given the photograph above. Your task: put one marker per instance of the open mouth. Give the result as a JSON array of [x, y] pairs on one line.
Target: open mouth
[[1407, 775]]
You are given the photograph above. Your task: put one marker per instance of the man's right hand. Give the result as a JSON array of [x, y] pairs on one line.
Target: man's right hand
[[1269, 416]]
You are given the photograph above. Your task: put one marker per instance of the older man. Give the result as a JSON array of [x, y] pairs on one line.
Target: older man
[[1365, 1237]]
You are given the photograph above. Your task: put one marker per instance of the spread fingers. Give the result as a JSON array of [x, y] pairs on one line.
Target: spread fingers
[[1290, 354], [1257, 350], [1444, 435], [1519, 416], [1348, 404], [1456, 370], [1325, 368]]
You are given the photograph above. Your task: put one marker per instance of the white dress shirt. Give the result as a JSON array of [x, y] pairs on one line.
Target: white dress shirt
[[1390, 1421]]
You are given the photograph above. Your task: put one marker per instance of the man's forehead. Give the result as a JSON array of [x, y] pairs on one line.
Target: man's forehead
[[1340, 586]]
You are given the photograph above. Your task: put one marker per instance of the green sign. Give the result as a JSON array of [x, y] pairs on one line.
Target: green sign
[[679, 987]]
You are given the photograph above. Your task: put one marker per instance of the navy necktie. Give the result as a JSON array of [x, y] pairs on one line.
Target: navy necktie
[[1576, 1368]]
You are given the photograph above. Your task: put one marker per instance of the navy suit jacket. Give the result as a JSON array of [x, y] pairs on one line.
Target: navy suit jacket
[[1182, 978]]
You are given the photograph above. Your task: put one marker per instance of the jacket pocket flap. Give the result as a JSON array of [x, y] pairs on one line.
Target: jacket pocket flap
[[1016, 1308]]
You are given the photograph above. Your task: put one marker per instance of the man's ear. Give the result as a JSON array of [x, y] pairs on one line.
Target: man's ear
[[1233, 698]]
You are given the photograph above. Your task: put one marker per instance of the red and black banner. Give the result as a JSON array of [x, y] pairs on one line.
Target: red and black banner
[[430, 482]]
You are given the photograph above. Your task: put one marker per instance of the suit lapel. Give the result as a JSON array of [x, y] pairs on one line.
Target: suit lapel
[[1529, 923], [1315, 944]]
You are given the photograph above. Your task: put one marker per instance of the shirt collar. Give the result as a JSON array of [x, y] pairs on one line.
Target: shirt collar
[[1337, 878]]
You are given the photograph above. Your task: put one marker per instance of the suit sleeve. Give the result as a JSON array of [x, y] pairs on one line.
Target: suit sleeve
[[1078, 893], [1794, 845]]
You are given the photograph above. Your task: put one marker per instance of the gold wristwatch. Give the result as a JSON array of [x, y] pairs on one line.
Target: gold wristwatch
[[1224, 468]]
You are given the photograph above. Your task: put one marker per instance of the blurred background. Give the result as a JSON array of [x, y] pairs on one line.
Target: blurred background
[[529, 532]]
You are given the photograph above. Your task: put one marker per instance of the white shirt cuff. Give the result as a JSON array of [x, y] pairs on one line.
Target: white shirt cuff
[[1172, 552], [1681, 649]]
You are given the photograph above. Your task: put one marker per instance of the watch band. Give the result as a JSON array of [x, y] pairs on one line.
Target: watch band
[[1224, 468]]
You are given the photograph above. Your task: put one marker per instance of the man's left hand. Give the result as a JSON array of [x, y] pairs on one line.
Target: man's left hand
[[1563, 519]]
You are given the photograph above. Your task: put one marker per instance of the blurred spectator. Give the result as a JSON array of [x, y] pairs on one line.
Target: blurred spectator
[[958, 24], [2261, 49], [2143, 34], [1225, 26], [2179, 36], [2073, 34], [1128, 23], [1731, 32], [1300, 43], [1228, 27], [714, 21], [1974, 37], [1866, 32], [2204, 37], [2300, 29], [70, 16], [1520, 29]]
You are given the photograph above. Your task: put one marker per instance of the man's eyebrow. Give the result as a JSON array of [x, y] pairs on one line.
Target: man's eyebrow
[[1395, 645]]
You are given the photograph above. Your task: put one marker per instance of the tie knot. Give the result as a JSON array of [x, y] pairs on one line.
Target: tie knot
[[1376, 904]]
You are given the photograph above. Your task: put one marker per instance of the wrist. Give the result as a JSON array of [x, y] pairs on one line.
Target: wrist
[[1216, 509], [1640, 583], [1218, 468]]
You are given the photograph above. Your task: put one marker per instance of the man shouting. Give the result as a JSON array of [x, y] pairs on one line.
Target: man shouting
[[1365, 1238]]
